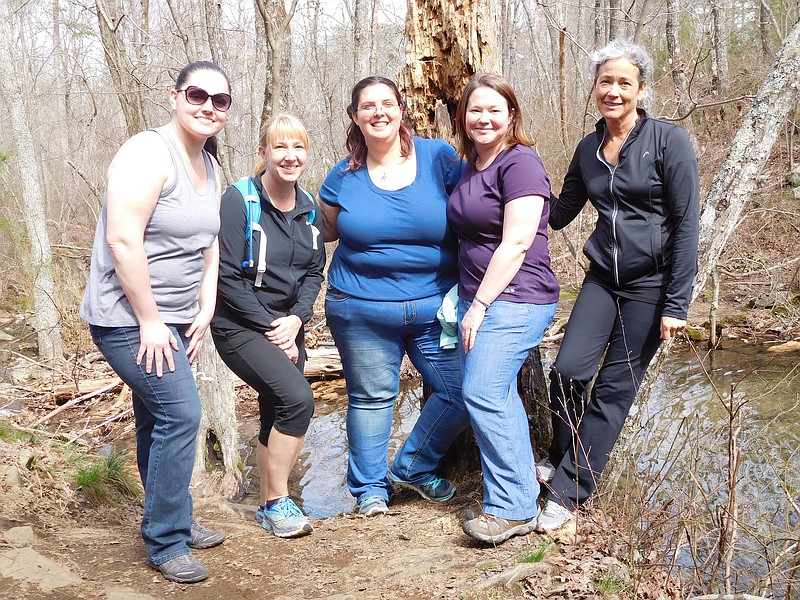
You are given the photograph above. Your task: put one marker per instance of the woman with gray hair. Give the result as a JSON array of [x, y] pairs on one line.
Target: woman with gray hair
[[640, 174]]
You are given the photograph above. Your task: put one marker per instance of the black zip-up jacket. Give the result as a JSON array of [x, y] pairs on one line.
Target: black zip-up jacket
[[295, 263], [648, 206]]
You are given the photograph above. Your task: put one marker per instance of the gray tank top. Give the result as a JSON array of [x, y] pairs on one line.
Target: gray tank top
[[183, 224]]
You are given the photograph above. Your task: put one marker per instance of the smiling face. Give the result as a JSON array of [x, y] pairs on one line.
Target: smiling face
[[617, 90], [200, 120], [285, 159], [378, 113], [487, 120]]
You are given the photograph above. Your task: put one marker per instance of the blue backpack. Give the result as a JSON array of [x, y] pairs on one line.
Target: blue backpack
[[252, 206]]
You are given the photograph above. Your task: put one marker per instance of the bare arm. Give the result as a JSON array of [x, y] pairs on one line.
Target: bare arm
[[137, 175], [330, 216], [521, 221]]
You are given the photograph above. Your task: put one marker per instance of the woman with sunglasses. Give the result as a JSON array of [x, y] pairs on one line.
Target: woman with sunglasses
[[264, 301], [150, 298], [395, 262]]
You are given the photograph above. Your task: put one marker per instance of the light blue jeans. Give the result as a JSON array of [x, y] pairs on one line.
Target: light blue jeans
[[372, 337], [509, 331], [167, 413]]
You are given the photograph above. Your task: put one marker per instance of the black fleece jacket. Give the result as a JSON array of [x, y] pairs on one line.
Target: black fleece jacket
[[295, 263], [648, 208]]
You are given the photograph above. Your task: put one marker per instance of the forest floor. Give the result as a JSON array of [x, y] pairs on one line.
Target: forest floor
[[56, 544]]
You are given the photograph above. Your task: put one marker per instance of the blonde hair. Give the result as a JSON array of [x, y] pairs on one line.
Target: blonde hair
[[278, 127]]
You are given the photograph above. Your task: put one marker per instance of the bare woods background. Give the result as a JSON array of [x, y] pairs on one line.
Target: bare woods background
[[80, 76]]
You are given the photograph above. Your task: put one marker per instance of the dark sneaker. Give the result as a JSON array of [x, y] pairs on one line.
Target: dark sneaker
[[182, 569], [372, 506], [495, 530], [553, 517], [285, 519], [437, 489], [203, 537]]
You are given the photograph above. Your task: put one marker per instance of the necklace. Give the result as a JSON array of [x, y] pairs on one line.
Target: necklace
[[384, 169]]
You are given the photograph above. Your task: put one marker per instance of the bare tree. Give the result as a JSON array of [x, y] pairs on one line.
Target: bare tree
[[747, 155], [124, 71], [677, 64], [45, 317], [361, 43], [719, 47], [277, 21]]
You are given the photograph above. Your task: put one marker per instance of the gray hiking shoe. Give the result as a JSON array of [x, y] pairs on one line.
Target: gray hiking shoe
[[495, 530], [182, 569], [554, 517], [203, 537], [372, 506]]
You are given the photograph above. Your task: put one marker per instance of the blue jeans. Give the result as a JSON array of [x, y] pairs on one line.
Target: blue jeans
[[509, 331], [372, 337], [167, 412]]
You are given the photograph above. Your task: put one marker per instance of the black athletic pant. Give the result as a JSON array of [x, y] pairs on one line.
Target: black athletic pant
[[285, 398], [585, 430]]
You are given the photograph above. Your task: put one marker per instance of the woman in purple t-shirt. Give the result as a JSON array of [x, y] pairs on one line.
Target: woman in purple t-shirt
[[507, 295]]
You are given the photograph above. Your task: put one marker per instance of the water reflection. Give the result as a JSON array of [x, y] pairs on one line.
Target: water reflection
[[320, 479]]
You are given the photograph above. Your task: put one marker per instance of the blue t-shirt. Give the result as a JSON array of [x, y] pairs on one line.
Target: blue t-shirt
[[395, 245], [476, 213]]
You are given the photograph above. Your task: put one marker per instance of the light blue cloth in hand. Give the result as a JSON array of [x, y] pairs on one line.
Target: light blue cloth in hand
[[448, 318]]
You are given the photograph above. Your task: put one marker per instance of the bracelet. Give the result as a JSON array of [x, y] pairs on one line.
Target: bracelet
[[481, 302]]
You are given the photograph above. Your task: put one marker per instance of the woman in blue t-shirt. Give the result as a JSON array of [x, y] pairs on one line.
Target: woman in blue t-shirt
[[507, 295], [395, 261]]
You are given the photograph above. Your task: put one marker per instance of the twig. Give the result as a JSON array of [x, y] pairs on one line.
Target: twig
[[115, 417], [77, 400], [44, 366], [46, 433]]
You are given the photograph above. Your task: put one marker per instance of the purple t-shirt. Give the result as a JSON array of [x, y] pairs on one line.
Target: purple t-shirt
[[475, 212]]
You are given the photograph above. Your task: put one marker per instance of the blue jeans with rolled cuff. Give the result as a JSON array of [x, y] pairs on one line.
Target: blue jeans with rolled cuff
[[167, 413], [372, 337], [506, 336]]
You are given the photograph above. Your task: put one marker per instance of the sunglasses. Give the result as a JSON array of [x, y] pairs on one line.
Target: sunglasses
[[198, 96]]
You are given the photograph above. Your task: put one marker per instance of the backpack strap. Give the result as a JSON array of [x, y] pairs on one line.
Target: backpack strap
[[311, 216], [252, 207]]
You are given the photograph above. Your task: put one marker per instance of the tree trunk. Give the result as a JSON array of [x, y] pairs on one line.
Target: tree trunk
[[719, 43], [45, 317], [110, 17], [747, 155], [678, 66], [217, 441], [361, 46], [448, 42]]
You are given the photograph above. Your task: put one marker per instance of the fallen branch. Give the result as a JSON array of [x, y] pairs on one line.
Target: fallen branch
[[108, 387]]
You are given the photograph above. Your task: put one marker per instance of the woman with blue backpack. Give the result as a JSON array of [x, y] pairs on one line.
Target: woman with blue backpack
[[271, 268]]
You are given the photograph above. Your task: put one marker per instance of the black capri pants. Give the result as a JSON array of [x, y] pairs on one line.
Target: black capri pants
[[285, 399], [586, 425]]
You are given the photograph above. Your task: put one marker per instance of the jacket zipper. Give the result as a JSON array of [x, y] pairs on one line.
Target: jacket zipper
[[615, 205]]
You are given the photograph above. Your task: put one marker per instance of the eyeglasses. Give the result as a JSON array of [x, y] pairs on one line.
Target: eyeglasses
[[372, 107], [198, 96]]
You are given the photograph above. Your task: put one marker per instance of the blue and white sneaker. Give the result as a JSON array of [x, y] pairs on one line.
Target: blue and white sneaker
[[284, 519]]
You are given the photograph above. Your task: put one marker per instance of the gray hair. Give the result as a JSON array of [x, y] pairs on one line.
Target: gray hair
[[638, 57]]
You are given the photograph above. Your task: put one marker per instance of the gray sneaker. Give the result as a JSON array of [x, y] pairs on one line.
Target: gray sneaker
[[182, 569], [372, 506], [203, 537]]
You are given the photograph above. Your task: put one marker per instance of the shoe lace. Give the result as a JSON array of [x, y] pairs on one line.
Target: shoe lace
[[286, 508], [433, 483]]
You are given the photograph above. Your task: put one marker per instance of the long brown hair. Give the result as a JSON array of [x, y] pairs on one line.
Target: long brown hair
[[356, 144], [516, 130]]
